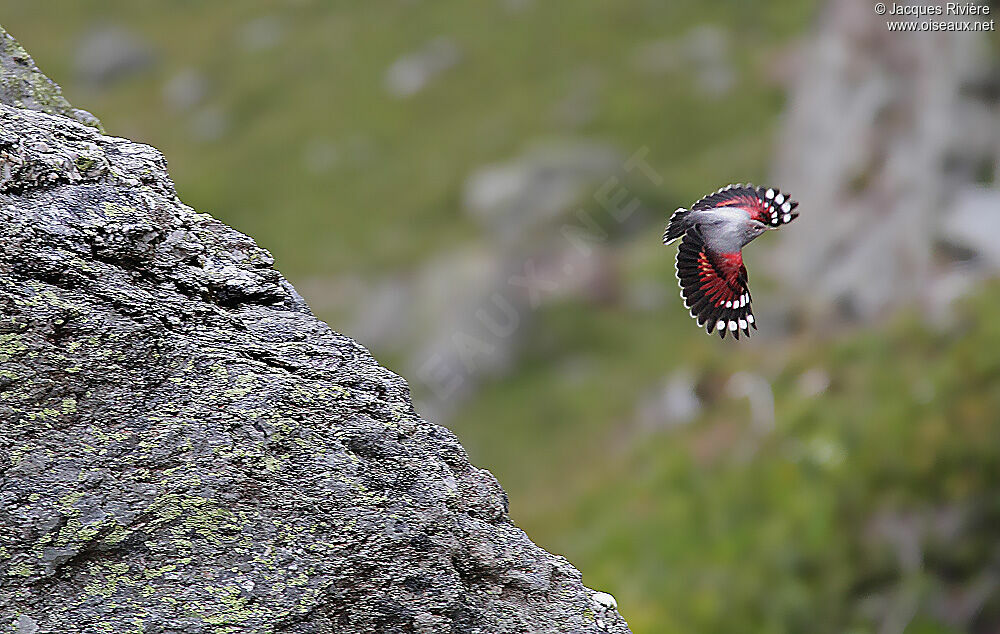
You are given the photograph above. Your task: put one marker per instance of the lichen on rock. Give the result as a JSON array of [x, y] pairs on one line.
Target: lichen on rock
[[184, 447]]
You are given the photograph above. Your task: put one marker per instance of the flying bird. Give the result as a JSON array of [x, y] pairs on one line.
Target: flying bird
[[713, 279]]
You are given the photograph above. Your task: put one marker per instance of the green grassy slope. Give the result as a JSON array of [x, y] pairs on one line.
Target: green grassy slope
[[715, 528], [391, 196]]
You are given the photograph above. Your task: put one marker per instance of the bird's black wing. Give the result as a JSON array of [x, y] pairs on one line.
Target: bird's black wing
[[714, 286]]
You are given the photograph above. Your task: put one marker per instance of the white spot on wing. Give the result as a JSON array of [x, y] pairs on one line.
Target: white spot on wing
[[769, 193], [732, 325], [720, 325], [750, 318], [780, 198], [787, 218], [786, 207], [743, 324]]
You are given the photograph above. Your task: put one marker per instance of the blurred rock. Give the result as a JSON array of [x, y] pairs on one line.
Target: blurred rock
[[757, 390], [882, 130], [542, 184], [452, 321], [914, 537], [261, 34], [410, 73], [108, 53], [961, 607], [210, 123], [707, 50], [563, 272], [381, 319], [973, 223], [908, 531], [702, 51], [185, 90], [462, 316], [942, 290], [813, 382], [672, 404]]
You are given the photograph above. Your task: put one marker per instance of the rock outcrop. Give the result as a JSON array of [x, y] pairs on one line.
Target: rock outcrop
[[184, 447]]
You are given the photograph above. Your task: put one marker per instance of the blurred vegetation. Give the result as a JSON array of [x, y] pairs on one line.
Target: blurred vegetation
[[391, 195], [714, 526]]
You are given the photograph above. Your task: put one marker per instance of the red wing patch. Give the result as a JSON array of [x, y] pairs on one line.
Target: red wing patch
[[764, 204], [714, 287]]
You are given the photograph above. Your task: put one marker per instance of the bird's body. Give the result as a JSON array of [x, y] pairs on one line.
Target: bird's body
[[713, 279]]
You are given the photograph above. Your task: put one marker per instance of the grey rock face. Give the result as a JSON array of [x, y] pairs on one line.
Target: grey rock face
[[184, 447]]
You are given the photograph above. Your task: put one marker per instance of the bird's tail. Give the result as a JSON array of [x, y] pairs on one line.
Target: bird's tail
[[677, 226]]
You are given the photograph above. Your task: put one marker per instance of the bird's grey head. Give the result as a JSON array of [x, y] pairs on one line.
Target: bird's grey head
[[753, 228], [735, 228], [743, 227]]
